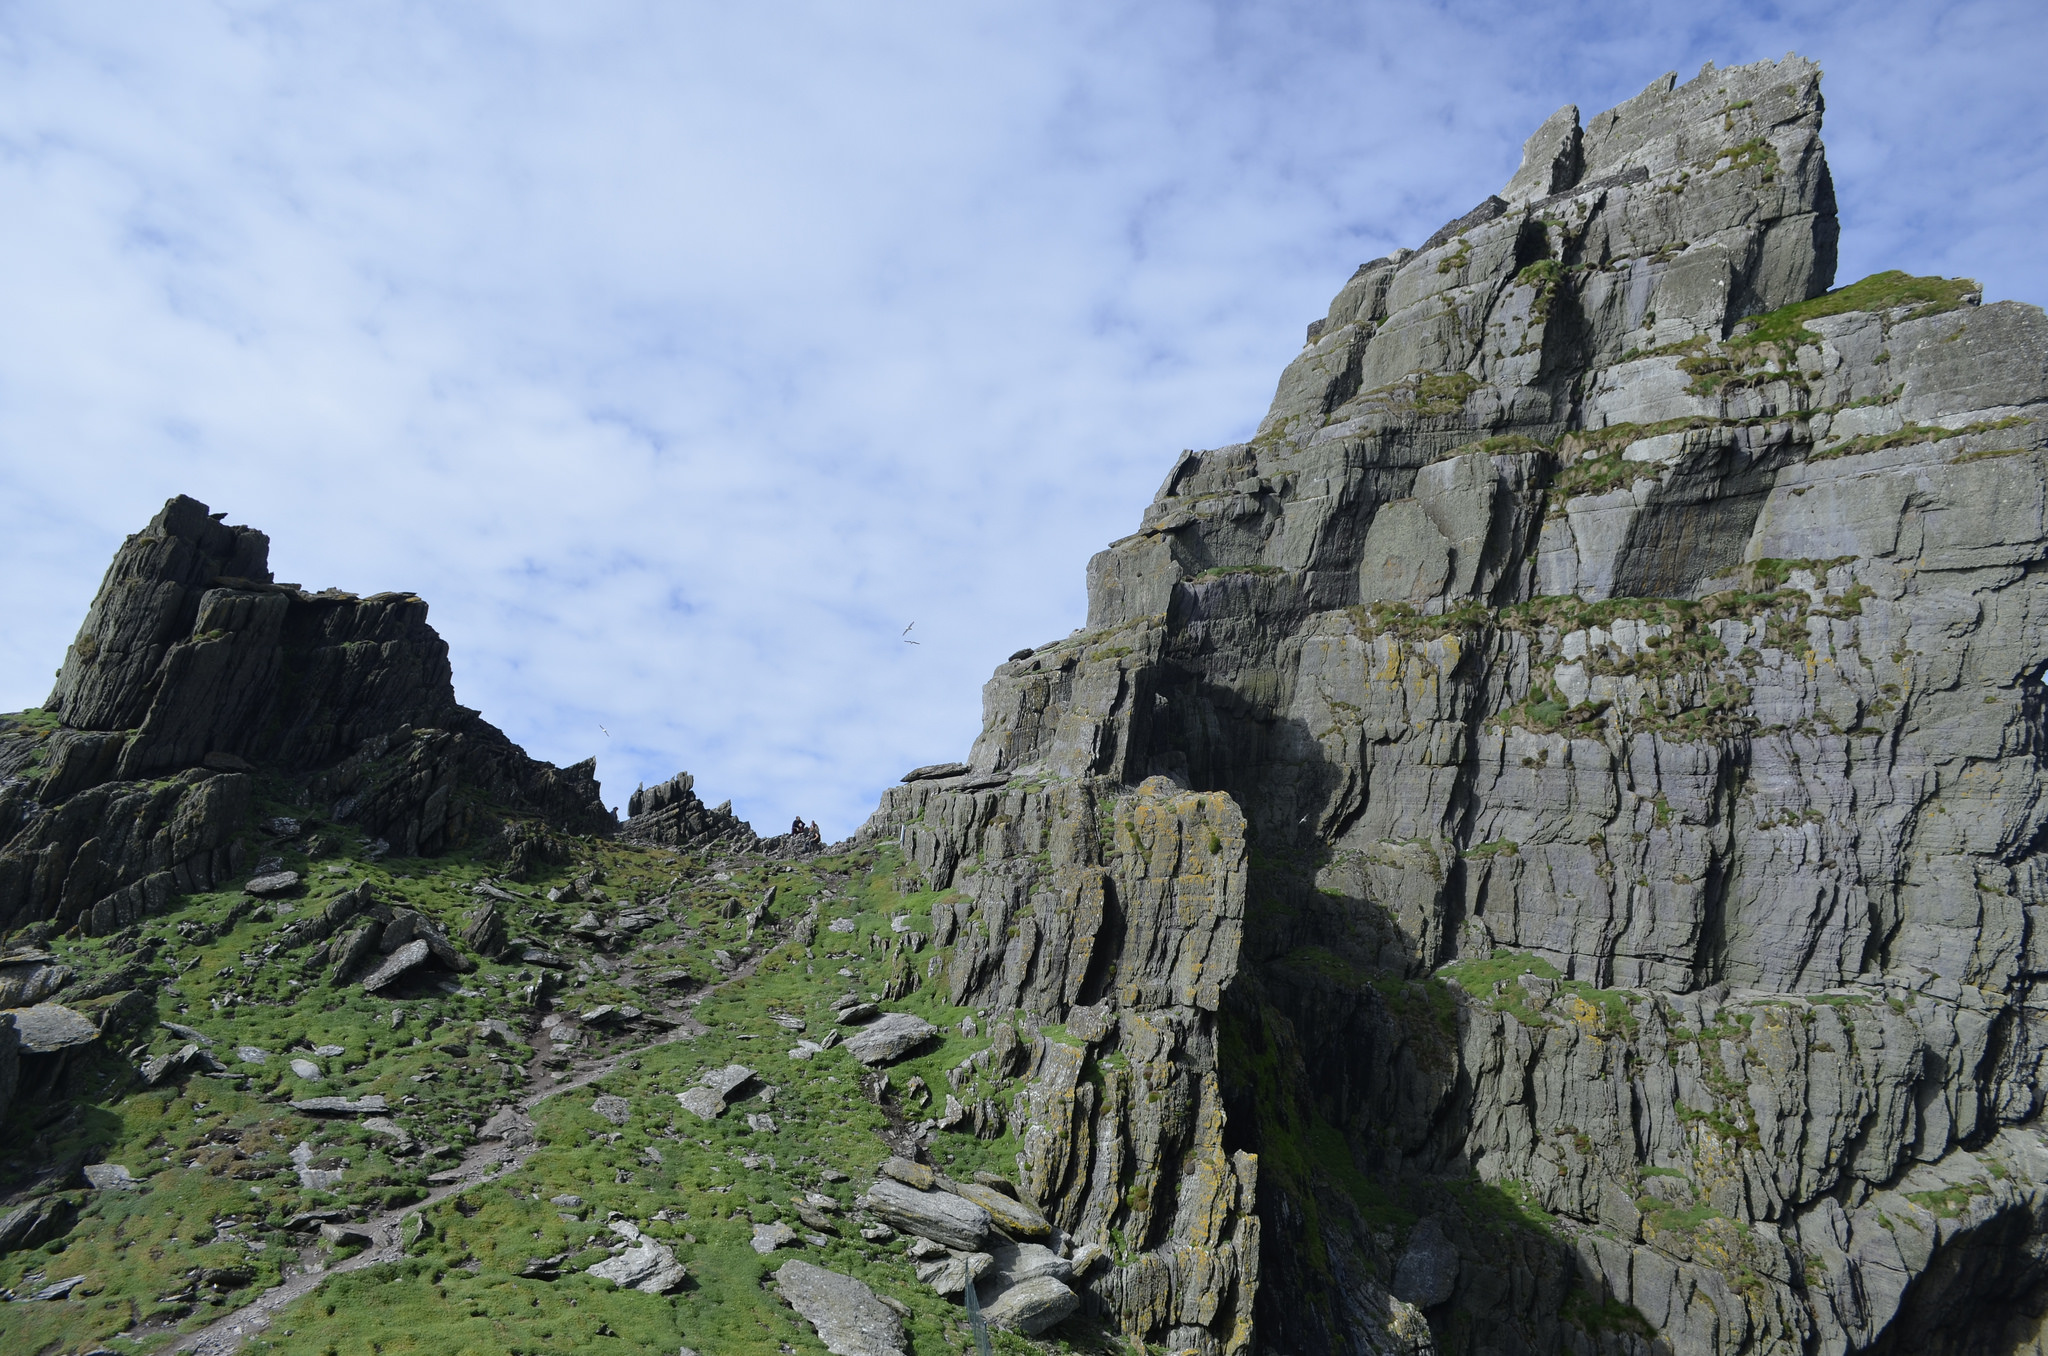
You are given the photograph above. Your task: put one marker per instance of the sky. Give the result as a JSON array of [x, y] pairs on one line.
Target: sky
[[681, 355]]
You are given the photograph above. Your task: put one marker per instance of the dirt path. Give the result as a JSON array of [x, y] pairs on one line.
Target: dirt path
[[482, 1162]]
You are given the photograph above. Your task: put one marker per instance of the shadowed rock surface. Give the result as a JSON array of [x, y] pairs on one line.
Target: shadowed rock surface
[[193, 671]]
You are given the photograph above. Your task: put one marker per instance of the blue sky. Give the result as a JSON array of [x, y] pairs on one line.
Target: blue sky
[[682, 354]]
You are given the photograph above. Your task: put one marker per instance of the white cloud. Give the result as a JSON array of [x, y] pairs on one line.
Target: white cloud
[[680, 355]]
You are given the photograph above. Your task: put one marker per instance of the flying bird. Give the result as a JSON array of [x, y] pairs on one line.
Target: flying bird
[[607, 733], [906, 636]]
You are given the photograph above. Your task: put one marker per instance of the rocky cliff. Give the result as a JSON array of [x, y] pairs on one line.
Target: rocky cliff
[[1617, 665], [194, 674]]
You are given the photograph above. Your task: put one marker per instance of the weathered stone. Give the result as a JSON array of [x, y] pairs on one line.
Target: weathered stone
[[889, 1038], [728, 1080], [162, 1068], [850, 1319], [342, 1106], [398, 964], [937, 771], [110, 1177], [1428, 1270], [34, 1223], [1010, 1214], [355, 950], [509, 1125], [306, 1068], [25, 982], [947, 1271], [936, 1215], [768, 1237], [1031, 1306], [645, 1265], [911, 1174], [702, 1102], [671, 815], [273, 886], [617, 1110], [48, 1028]]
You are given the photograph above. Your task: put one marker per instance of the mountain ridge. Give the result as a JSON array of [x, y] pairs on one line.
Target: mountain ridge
[[1537, 849]]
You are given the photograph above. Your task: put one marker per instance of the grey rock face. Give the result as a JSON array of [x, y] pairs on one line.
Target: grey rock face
[[1630, 676], [850, 1318]]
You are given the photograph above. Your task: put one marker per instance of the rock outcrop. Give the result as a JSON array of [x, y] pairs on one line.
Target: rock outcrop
[[194, 671], [670, 815], [1546, 834]]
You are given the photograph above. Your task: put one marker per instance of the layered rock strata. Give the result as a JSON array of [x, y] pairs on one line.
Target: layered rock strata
[[194, 673], [1626, 656], [671, 815], [1097, 927]]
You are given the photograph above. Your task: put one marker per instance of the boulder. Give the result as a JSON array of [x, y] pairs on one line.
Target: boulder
[[110, 1177], [947, 1271], [910, 1174], [1013, 1216], [306, 1068], [28, 979], [645, 1266], [400, 1137], [768, 1237], [341, 1106], [1428, 1270], [401, 962], [728, 1080], [1032, 1306], [1019, 1262], [353, 950], [509, 1125], [703, 1102], [483, 929], [162, 1068], [272, 886], [850, 1318], [38, 1221], [936, 1215], [617, 1110], [932, 772], [889, 1038], [47, 1028]]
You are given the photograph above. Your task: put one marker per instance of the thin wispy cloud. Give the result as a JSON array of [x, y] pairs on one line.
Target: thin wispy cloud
[[680, 355]]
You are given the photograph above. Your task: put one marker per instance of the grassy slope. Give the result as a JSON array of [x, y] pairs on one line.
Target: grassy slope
[[213, 1150]]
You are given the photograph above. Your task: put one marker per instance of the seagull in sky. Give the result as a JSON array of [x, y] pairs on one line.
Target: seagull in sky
[[906, 636]]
